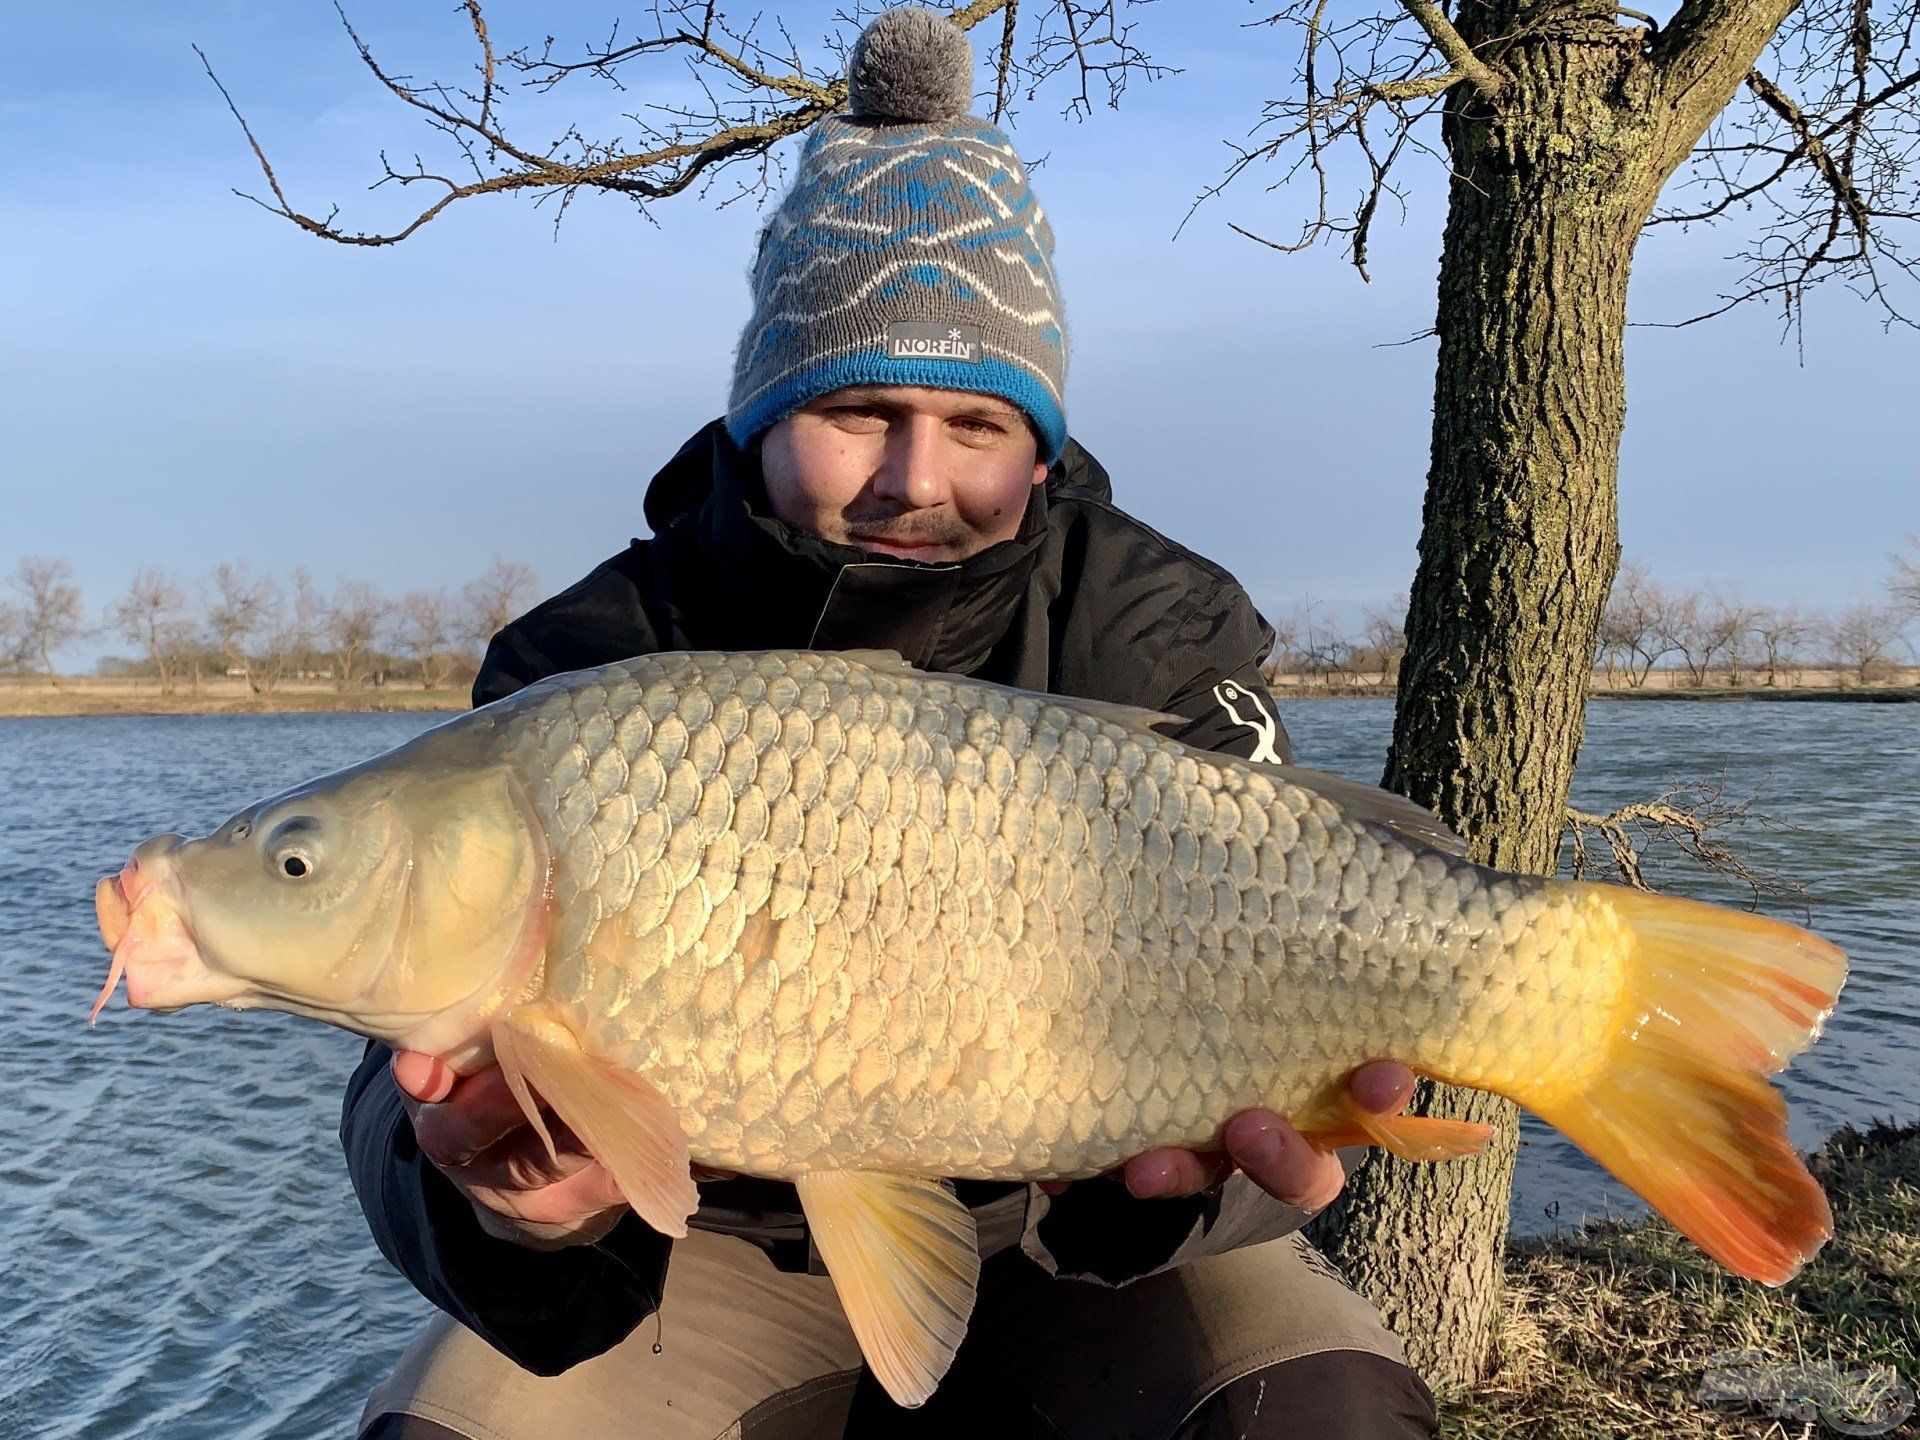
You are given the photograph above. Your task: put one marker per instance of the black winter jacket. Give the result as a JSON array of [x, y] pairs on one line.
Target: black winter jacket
[[1085, 601]]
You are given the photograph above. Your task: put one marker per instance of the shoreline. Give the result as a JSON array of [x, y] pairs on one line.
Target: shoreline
[[1621, 1329], [1814, 694], [87, 696], [1854, 695], [79, 698], [67, 705]]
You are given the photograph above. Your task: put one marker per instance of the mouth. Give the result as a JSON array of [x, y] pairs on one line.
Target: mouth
[[153, 949], [901, 549]]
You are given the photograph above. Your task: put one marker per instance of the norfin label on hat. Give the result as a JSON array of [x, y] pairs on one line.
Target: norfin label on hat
[[923, 340]]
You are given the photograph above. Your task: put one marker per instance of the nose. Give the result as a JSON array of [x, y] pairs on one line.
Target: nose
[[142, 869], [912, 470], [144, 859]]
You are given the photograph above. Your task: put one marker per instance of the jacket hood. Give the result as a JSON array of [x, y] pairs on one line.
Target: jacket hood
[[708, 505]]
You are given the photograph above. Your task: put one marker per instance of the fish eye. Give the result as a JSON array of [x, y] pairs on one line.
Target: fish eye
[[293, 849]]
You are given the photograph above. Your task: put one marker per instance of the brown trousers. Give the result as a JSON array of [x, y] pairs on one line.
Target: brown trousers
[[744, 1351]]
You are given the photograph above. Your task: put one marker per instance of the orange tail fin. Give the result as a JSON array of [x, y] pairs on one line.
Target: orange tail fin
[[1682, 1112]]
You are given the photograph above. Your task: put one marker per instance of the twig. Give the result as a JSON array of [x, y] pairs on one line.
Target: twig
[[1693, 819]]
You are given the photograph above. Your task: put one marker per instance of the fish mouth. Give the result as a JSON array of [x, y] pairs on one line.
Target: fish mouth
[[153, 948]]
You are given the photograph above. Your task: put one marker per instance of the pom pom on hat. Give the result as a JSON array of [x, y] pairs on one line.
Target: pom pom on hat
[[911, 65]]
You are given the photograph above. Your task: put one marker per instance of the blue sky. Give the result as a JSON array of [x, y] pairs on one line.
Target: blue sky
[[185, 379]]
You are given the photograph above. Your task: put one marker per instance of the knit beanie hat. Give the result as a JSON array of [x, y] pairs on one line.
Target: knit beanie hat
[[909, 251]]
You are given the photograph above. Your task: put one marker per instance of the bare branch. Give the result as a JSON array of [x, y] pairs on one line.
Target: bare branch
[[1483, 77], [757, 88], [1691, 820], [1813, 148], [1821, 146], [479, 22], [1709, 44], [1351, 74], [1090, 45], [1904, 580], [1420, 87], [1003, 69]]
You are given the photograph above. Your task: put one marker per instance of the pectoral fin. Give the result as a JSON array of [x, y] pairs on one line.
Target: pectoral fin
[[628, 1125], [904, 1258]]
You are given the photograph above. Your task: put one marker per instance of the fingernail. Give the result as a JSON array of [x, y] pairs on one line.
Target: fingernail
[[1265, 1146]]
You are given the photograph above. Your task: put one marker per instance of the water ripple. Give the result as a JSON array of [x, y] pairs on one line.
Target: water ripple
[[186, 1258]]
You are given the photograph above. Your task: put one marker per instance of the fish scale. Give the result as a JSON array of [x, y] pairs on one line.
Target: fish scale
[[828, 919], [873, 835]]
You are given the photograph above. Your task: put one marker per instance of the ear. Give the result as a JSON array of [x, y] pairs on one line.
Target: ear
[[1040, 469]]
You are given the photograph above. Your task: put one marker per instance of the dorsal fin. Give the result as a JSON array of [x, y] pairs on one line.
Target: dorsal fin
[[1370, 803], [1358, 800], [1130, 717]]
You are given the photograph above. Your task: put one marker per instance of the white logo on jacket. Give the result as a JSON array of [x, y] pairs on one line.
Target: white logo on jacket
[[1232, 697]]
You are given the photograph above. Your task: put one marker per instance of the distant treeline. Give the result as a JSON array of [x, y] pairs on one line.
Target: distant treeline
[[259, 628], [1713, 632], [236, 623], [1717, 630]]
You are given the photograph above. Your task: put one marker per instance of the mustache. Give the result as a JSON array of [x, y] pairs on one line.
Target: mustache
[[910, 527]]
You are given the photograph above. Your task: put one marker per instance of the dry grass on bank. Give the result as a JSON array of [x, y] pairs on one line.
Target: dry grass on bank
[[1610, 1332], [1888, 683], [98, 695], [93, 696]]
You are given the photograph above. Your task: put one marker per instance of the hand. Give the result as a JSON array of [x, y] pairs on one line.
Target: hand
[[1274, 1155], [475, 1132]]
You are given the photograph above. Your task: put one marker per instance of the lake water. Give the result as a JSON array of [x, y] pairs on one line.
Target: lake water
[[184, 1257]]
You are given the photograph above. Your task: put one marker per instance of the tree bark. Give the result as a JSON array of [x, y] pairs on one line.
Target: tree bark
[[1554, 176]]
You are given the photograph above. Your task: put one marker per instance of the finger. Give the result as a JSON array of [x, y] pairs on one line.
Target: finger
[[1054, 1187], [1167, 1172], [1382, 1086], [585, 1193], [478, 1112], [1278, 1159], [521, 1163], [426, 1078]]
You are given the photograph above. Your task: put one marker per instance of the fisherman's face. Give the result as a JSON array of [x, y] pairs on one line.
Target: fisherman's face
[[903, 470]]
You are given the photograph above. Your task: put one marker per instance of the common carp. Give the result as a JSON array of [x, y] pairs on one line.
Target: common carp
[[824, 918]]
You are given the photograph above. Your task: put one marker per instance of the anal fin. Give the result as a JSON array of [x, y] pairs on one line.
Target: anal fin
[[905, 1261], [1412, 1137], [628, 1125]]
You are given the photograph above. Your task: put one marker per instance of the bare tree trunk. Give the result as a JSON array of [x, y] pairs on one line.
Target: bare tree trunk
[[1518, 551], [1557, 161]]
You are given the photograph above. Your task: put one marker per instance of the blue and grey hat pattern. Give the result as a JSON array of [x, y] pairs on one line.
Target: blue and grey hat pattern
[[910, 249]]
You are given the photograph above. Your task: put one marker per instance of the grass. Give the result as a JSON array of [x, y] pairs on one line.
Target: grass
[[1610, 1330], [89, 696]]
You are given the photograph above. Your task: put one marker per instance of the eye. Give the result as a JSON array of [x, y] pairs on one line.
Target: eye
[[292, 848]]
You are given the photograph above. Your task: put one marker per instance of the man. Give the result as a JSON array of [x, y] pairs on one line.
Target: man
[[893, 472]]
